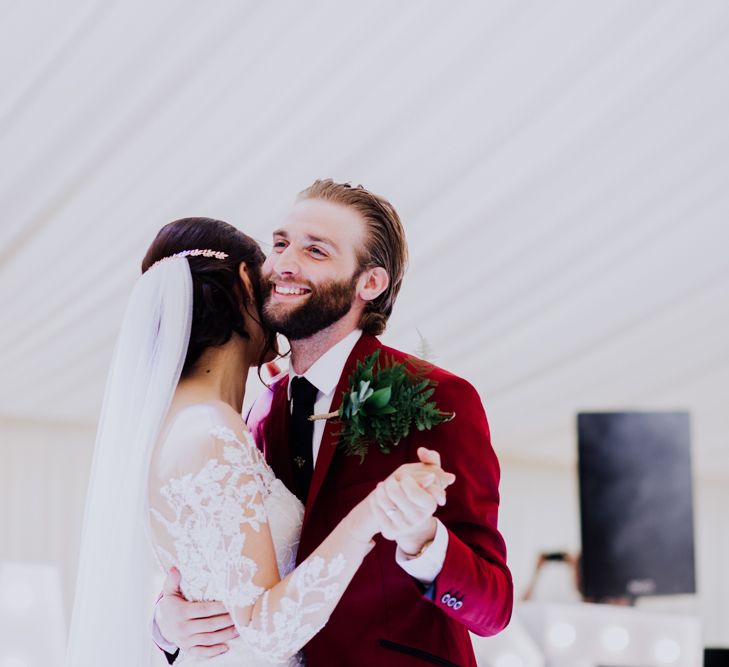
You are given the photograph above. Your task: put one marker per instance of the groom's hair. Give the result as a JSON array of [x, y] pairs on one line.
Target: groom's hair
[[218, 298], [385, 245]]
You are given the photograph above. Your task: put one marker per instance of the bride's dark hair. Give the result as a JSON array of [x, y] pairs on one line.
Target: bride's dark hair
[[217, 293]]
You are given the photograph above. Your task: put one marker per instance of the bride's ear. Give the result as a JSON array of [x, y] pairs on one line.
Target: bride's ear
[[245, 278]]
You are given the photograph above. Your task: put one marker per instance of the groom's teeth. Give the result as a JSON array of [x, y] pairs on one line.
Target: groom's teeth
[[290, 290]]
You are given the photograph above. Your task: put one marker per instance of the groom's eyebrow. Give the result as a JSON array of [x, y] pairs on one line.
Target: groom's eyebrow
[[282, 233]]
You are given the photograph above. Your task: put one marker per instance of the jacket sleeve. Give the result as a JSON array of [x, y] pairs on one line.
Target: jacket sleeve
[[474, 586], [170, 652]]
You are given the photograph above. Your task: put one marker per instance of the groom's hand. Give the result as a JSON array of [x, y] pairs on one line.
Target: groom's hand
[[405, 502], [198, 628], [412, 542], [429, 464]]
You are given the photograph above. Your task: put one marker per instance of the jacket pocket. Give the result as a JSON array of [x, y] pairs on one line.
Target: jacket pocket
[[417, 653]]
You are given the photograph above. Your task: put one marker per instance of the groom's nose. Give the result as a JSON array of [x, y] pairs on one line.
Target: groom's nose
[[286, 263]]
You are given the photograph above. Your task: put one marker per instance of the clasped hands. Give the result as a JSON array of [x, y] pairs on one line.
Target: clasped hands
[[401, 507]]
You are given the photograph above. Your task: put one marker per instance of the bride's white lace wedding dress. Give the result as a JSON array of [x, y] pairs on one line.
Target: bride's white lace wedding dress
[[221, 519]]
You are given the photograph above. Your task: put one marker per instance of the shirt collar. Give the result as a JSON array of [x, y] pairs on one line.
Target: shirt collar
[[325, 372]]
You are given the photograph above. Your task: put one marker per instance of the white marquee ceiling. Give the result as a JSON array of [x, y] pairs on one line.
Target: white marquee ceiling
[[561, 168]]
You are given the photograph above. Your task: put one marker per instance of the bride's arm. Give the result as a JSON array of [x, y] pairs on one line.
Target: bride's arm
[[224, 549], [290, 612]]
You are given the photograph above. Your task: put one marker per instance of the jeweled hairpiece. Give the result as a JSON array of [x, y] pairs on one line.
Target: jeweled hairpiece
[[197, 252]]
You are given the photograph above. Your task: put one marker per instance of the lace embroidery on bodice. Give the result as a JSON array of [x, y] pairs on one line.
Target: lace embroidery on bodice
[[209, 508], [214, 517]]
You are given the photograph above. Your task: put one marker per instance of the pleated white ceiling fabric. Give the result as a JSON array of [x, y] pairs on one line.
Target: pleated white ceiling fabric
[[561, 168]]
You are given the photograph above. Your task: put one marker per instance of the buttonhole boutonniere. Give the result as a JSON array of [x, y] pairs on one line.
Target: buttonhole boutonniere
[[383, 403]]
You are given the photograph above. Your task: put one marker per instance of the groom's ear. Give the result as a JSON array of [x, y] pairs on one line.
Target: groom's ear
[[372, 283]]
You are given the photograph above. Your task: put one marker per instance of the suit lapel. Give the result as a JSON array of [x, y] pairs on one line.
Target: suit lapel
[[276, 448], [364, 347]]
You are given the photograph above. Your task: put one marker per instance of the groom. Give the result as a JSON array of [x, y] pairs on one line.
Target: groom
[[331, 281]]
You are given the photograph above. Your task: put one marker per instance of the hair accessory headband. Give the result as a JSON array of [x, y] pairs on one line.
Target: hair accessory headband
[[217, 254]]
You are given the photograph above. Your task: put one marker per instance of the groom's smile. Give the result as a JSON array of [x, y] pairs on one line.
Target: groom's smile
[[285, 291], [299, 312]]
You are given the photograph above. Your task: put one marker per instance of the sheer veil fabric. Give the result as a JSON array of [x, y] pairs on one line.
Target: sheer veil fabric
[[110, 624]]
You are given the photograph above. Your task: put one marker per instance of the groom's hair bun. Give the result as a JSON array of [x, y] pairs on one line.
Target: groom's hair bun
[[218, 299], [386, 245]]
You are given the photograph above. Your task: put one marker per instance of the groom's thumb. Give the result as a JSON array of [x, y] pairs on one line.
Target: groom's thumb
[[172, 582]]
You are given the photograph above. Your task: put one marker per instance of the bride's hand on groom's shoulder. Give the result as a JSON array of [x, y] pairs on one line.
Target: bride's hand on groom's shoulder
[[200, 629]]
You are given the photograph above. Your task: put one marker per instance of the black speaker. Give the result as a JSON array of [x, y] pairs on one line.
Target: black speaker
[[636, 509], [716, 657]]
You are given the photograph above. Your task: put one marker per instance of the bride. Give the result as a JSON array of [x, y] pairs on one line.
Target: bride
[[176, 468]]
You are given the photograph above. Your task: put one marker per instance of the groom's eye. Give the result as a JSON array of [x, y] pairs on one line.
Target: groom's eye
[[317, 251], [279, 245]]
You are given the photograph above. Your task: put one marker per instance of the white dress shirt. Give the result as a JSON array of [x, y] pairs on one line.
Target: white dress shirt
[[324, 374]]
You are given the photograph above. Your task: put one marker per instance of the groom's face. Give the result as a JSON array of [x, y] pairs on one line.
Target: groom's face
[[311, 276]]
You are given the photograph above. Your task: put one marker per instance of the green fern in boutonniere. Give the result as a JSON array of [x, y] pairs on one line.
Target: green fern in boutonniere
[[383, 403]]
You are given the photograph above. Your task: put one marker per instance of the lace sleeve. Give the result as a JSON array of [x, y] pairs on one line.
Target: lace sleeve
[[220, 540]]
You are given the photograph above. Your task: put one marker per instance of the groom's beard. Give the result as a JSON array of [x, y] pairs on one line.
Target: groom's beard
[[327, 303]]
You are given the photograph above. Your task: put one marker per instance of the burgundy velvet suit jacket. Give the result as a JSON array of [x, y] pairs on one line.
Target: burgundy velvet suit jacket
[[385, 617]]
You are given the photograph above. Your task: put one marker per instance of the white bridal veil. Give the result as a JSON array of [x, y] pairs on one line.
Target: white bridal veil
[[112, 605]]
